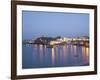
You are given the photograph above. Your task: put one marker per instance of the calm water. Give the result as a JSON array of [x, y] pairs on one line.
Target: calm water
[[39, 56]]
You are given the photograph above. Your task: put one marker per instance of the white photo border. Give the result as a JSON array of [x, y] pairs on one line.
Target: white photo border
[[35, 71]]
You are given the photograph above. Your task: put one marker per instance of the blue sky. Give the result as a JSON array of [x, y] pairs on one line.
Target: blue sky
[[52, 24]]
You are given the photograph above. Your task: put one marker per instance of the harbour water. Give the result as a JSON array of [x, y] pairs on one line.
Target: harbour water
[[39, 56]]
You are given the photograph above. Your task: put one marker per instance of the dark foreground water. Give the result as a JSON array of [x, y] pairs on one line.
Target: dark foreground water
[[39, 56]]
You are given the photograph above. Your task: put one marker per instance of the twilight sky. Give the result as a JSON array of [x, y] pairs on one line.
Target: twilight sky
[[52, 24]]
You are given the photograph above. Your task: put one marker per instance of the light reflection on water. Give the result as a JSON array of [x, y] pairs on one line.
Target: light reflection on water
[[53, 56], [39, 56], [85, 53]]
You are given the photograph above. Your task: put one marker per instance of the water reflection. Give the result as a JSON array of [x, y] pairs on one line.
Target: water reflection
[[35, 52], [58, 56], [53, 56], [75, 50], [41, 53], [65, 52], [85, 54]]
